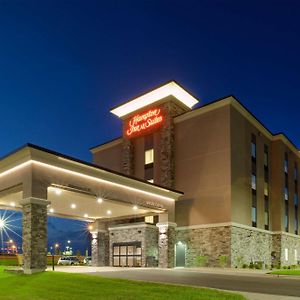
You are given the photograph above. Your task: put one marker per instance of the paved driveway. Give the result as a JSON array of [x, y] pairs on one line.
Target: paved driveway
[[252, 282]]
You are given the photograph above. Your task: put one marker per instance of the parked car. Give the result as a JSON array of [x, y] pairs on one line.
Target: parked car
[[88, 261], [68, 261]]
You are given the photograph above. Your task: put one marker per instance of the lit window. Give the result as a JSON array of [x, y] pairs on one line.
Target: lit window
[[266, 189], [286, 254], [149, 156], [149, 219]]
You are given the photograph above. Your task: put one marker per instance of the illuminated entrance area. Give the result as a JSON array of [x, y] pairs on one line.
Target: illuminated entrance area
[[127, 254], [41, 183]]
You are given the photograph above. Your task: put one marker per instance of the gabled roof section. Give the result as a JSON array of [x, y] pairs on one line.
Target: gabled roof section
[[171, 88]]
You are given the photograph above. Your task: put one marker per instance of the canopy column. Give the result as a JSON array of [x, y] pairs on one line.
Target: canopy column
[[34, 235]]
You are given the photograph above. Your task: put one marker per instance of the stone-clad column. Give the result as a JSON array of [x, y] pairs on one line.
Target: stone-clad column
[[127, 157], [34, 235], [100, 244], [166, 244], [167, 144]]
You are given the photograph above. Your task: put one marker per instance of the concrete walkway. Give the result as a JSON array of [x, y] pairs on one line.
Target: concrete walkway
[[253, 284]]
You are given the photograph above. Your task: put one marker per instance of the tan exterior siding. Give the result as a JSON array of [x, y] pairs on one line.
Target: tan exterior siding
[[109, 157], [202, 160]]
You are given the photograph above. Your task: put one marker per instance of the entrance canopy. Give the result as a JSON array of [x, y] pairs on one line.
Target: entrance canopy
[[76, 189]]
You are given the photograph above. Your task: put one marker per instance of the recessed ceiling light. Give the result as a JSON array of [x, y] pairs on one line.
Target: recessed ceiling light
[[109, 212], [85, 215], [135, 207], [99, 200], [58, 192], [51, 210], [12, 204], [73, 205]]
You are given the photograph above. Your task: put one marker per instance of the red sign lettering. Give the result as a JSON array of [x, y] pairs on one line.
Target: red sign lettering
[[144, 121]]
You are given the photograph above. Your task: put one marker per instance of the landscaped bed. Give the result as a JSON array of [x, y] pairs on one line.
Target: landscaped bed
[[61, 286]]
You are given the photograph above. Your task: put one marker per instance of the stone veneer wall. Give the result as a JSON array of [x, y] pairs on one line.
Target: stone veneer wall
[[146, 234], [282, 241], [249, 245], [211, 242], [241, 245], [100, 249]]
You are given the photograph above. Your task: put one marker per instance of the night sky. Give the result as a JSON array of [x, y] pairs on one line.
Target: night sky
[[64, 64]]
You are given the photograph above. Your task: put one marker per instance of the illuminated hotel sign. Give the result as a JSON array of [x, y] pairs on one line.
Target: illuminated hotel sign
[[144, 122]]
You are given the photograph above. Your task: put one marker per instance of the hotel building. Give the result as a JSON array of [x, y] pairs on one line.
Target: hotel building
[[240, 181], [182, 186]]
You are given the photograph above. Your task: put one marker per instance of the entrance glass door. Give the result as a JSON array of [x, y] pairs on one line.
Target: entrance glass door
[[127, 254], [180, 250]]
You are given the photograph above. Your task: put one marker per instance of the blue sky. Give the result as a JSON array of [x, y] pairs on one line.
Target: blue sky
[[64, 64]]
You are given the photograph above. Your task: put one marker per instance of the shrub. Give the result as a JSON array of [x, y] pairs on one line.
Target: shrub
[[201, 260], [223, 259]]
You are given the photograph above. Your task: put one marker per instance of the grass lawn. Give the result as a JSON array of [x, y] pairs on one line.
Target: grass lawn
[[287, 272], [62, 286]]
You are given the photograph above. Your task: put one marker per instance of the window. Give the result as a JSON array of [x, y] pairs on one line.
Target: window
[[253, 146], [127, 254], [266, 189], [286, 254], [286, 194], [254, 209], [286, 163], [149, 219], [266, 156], [266, 213], [296, 199], [253, 182], [149, 159], [296, 220], [286, 216], [149, 156]]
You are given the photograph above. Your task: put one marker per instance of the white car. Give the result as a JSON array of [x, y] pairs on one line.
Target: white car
[[68, 261]]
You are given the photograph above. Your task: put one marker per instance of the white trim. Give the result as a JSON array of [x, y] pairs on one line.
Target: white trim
[[42, 164], [169, 89], [286, 233], [131, 226], [203, 110], [107, 145], [202, 226], [233, 224], [166, 224], [33, 200]]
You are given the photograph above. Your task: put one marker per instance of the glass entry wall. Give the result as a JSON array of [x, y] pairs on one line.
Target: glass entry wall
[[127, 254]]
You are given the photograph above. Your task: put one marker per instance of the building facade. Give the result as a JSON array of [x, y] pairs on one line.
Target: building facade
[[240, 183]]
